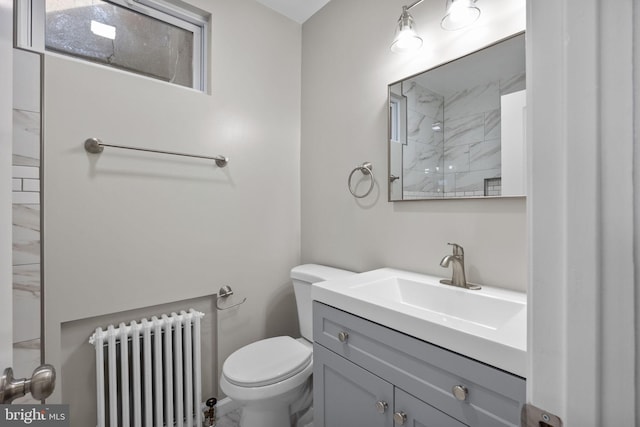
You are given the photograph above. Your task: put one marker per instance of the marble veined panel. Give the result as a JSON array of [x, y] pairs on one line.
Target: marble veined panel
[[424, 109], [469, 182], [415, 122], [26, 302], [26, 314], [431, 104], [424, 134], [26, 138], [27, 216], [472, 101], [513, 84], [27, 278], [492, 122], [423, 100], [411, 90], [418, 181], [464, 130], [26, 80], [422, 157], [26, 234], [449, 183], [485, 155], [456, 158]]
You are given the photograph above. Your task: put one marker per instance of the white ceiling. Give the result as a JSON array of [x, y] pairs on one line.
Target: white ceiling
[[297, 10]]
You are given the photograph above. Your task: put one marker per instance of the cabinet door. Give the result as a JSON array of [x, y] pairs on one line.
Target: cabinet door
[[345, 395], [416, 413], [422, 369]]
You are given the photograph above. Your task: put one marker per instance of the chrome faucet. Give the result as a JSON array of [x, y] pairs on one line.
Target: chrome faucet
[[457, 260]]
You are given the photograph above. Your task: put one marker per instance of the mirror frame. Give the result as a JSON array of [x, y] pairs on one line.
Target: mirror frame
[[389, 123]]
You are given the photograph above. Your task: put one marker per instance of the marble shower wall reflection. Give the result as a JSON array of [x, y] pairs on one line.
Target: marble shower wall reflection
[[26, 215], [423, 155], [454, 140]]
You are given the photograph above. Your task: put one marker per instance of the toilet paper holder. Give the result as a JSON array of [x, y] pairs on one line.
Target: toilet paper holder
[[224, 293]]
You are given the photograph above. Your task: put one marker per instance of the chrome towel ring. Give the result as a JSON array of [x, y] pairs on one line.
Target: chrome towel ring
[[367, 169]]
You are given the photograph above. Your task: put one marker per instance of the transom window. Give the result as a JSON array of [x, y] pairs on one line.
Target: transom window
[[149, 37]]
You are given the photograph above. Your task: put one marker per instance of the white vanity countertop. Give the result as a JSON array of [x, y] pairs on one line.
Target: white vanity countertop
[[489, 325]]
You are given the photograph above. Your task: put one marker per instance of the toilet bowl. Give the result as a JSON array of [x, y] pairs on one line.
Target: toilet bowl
[[266, 378], [271, 378]]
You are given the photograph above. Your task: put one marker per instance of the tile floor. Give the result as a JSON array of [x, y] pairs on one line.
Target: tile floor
[[232, 419]]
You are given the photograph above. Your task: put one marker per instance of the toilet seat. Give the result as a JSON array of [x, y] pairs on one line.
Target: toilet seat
[[267, 362]]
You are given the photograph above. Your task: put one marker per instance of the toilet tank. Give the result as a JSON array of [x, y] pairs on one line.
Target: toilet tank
[[303, 276]]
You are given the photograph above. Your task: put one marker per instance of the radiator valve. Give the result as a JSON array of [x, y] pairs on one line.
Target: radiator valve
[[210, 413]]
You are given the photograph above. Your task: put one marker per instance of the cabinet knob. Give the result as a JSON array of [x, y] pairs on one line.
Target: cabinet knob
[[381, 406], [400, 418], [460, 392], [343, 336]]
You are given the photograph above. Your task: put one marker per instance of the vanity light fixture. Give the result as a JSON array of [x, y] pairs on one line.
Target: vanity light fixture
[[406, 38], [460, 14]]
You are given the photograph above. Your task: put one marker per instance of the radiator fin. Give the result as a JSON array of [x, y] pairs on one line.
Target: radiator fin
[[148, 373]]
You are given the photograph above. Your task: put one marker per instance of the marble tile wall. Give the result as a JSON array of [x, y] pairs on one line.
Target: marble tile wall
[[456, 161], [422, 157], [26, 215], [472, 137]]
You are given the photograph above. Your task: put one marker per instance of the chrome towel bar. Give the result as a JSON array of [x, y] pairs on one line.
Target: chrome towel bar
[[95, 146]]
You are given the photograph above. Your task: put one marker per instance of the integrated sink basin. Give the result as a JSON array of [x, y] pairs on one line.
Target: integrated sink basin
[[488, 325], [445, 303]]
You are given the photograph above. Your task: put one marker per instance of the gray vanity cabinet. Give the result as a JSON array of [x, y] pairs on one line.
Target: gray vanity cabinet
[[345, 395], [348, 393], [360, 365]]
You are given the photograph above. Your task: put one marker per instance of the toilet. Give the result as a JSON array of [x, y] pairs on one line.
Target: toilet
[[271, 378]]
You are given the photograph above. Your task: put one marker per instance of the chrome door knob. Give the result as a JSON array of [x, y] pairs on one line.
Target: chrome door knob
[[40, 385], [460, 392], [400, 418], [43, 382], [381, 406], [343, 336]]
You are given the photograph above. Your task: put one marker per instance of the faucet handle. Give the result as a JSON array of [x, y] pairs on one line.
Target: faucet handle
[[457, 249]]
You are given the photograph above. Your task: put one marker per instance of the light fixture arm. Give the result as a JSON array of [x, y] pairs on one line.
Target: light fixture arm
[[415, 3]]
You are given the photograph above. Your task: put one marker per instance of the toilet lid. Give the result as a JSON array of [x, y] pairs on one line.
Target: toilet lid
[[266, 362]]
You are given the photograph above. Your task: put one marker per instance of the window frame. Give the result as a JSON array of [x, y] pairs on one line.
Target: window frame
[[398, 118], [31, 21]]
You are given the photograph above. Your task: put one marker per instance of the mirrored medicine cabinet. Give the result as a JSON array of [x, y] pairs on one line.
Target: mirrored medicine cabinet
[[458, 130]]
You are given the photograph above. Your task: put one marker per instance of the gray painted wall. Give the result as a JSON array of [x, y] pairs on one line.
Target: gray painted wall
[[126, 230], [345, 73]]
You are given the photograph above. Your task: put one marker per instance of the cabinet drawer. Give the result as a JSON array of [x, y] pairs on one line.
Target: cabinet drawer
[[494, 397]]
